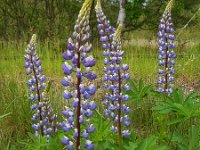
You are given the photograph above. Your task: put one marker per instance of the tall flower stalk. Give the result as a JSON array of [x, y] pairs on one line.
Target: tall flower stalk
[[79, 106], [106, 33], [44, 116], [115, 76], [166, 53]]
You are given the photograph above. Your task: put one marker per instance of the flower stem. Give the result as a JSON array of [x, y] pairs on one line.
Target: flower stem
[[79, 102], [166, 66], [38, 93], [119, 113]]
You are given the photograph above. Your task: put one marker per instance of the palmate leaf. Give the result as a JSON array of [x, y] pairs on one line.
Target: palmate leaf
[[138, 93], [183, 107], [140, 85], [192, 96], [177, 120], [163, 107], [194, 138], [181, 110], [188, 143], [106, 145], [178, 138], [54, 142], [178, 96], [133, 86], [131, 145], [102, 133], [150, 143], [35, 143]]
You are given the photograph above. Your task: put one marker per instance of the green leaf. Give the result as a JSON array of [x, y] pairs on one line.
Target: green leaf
[[133, 86], [144, 91], [138, 93], [141, 84], [148, 143], [175, 121], [184, 108], [130, 146], [194, 138]]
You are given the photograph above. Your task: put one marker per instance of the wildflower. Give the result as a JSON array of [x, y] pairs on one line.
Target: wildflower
[[38, 93], [115, 75], [78, 92], [166, 52]]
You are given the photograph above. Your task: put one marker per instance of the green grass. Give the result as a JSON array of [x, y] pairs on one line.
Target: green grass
[[141, 58]]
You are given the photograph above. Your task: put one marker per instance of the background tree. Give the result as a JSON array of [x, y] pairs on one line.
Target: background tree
[[54, 19]]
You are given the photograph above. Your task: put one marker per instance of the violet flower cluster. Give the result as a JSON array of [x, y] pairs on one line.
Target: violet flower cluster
[[43, 118], [166, 53], [115, 73], [79, 89]]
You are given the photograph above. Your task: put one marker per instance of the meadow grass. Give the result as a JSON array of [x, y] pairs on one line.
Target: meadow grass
[[140, 55]]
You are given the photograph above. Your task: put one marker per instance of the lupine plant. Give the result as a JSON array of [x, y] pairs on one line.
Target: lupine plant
[[43, 118], [166, 52], [79, 106], [116, 109]]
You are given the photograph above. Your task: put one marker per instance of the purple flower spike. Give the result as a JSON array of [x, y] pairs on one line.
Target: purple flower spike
[[43, 113], [115, 73], [78, 69], [166, 53]]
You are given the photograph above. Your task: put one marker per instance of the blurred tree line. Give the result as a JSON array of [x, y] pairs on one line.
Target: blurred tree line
[[54, 19]]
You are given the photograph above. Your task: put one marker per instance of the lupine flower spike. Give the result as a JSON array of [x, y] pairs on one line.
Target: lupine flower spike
[[77, 82], [166, 53], [116, 109], [38, 93], [47, 113], [106, 31]]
